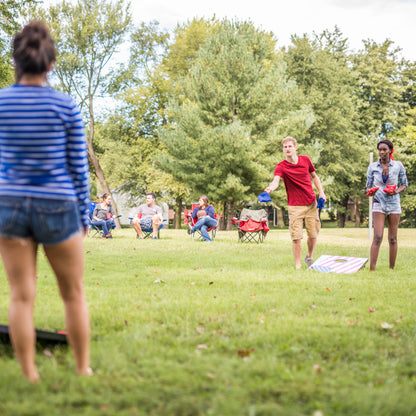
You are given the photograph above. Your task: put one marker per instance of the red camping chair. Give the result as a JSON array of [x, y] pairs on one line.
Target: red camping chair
[[192, 221], [252, 226]]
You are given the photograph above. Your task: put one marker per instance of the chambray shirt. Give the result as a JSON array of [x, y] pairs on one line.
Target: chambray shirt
[[397, 176]]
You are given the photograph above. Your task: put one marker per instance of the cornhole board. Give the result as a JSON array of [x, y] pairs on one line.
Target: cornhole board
[[43, 337], [338, 264]]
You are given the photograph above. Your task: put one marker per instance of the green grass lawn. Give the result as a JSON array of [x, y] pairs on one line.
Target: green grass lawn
[[189, 328]]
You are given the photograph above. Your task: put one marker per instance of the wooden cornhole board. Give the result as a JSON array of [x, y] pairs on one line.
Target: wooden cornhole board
[[338, 264]]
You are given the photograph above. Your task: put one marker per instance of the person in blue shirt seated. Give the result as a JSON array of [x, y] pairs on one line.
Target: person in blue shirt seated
[[205, 213]]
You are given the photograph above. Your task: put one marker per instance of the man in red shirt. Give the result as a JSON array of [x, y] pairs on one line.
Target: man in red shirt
[[298, 173]]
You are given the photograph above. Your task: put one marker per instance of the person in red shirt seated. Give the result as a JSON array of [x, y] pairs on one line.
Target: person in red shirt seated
[[298, 173]]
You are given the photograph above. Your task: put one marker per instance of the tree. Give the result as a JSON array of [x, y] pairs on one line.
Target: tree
[[322, 71], [237, 99], [87, 35], [380, 89], [144, 88], [10, 12]]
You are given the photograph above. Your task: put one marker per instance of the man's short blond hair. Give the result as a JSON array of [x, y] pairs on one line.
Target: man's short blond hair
[[289, 138]]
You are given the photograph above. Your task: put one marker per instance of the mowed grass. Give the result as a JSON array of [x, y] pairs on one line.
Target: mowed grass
[[189, 328]]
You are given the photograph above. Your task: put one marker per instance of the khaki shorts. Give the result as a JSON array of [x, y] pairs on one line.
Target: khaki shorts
[[297, 214]]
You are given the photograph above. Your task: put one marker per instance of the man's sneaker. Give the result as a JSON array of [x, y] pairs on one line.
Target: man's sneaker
[[308, 261], [154, 237], [189, 228], [108, 236]]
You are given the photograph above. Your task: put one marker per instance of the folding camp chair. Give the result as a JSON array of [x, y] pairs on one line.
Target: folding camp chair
[[212, 231], [95, 230], [148, 232], [252, 225]]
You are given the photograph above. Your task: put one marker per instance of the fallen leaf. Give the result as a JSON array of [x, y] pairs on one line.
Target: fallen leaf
[[352, 323], [244, 353], [371, 309], [327, 289], [156, 271], [200, 330], [317, 368], [211, 283], [394, 335], [47, 353], [385, 325], [138, 306], [125, 322]]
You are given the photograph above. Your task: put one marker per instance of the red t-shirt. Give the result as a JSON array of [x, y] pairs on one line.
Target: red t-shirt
[[297, 180]]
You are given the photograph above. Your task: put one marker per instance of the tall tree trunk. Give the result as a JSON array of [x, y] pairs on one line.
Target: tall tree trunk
[[280, 222], [342, 214], [96, 164], [357, 213], [230, 213], [177, 219]]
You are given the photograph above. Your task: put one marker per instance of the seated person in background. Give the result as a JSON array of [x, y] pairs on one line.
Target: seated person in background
[[205, 214], [149, 215], [103, 215]]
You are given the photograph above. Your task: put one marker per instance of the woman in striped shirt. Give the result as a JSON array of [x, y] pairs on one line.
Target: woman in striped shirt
[[44, 195]]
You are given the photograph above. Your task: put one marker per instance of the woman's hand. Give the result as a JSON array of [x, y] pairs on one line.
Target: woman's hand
[[372, 191]]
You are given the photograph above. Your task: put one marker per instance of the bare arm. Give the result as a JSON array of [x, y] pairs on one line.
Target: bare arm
[[400, 189], [273, 184], [318, 185]]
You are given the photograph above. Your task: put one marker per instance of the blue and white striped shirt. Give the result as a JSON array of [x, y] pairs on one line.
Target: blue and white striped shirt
[[43, 152]]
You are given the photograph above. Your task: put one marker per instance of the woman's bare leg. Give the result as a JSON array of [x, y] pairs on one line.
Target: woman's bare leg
[[67, 261], [379, 220], [393, 224], [19, 258]]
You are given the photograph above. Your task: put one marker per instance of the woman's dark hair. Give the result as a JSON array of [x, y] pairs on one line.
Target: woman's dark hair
[[33, 49], [386, 142], [105, 196]]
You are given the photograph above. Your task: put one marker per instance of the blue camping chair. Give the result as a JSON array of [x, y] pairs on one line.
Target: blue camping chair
[[148, 232], [95, 230]]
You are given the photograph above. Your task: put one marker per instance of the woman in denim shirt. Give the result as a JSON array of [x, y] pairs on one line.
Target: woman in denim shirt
[[386, 178]]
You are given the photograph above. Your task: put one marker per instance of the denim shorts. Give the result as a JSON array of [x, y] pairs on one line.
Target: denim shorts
[[46, 221], [387, 209]]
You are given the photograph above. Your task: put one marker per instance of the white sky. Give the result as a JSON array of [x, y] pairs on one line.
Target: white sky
[[357, 19]]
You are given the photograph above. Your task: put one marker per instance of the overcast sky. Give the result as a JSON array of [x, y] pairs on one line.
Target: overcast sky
[[357, 19]]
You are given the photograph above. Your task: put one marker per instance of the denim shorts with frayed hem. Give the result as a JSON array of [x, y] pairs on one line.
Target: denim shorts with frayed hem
[[46, 221]]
